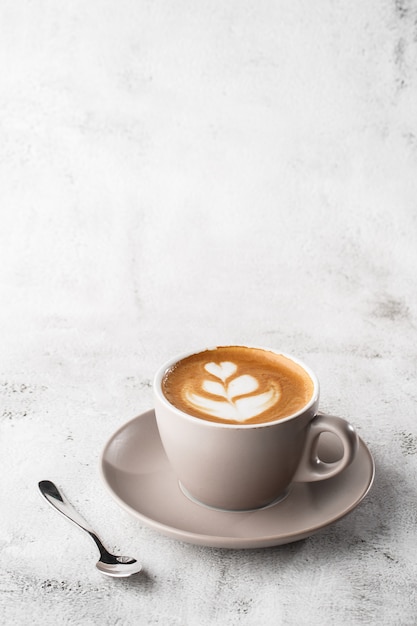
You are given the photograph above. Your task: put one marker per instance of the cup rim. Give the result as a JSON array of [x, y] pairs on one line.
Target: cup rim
[[212, 424]]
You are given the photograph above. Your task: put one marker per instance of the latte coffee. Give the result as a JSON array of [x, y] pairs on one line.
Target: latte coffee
[[238, 385]]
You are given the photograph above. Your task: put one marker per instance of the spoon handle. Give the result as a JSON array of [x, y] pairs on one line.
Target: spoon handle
[[57, 499]]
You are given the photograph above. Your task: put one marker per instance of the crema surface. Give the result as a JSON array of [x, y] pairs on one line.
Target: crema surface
[[238, 385]]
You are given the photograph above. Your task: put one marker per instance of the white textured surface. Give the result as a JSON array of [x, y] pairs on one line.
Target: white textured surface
[[177, 174]]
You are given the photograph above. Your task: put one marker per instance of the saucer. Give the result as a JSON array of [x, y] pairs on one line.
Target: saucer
[[137, 473]]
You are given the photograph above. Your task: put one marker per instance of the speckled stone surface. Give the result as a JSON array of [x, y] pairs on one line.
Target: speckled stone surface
[[175, 175]]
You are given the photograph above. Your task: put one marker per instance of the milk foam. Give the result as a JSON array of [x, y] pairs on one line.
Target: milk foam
[[232, 398]]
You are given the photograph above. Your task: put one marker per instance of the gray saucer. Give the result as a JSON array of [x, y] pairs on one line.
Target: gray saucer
[[137, 474]]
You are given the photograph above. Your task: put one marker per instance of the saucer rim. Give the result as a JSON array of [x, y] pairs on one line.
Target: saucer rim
[[228, 541]]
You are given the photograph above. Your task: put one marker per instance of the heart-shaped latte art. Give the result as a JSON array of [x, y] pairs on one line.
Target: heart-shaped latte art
[[222, 370], [238, 402]]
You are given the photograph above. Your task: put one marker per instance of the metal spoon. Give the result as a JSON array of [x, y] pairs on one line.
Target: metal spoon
[[118, 566]]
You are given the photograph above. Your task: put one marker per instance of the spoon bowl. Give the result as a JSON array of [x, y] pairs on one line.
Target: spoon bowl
[[120, 568], [108, 564]]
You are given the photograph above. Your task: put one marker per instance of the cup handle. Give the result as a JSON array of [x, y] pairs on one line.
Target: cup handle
[[311, 467]]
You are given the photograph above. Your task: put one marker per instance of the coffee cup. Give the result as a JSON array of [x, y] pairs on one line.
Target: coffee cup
[[240, 425]]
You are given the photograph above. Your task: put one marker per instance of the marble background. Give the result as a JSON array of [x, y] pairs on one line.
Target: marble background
[[177, 174]]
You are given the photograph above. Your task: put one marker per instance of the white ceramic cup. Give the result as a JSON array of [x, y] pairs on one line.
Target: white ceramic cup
[[244, 467]]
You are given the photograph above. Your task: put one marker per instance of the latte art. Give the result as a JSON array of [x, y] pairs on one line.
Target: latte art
[[240, 400], [238, 385]]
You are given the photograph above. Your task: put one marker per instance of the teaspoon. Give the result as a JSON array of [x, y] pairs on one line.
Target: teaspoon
[[109, 564]]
